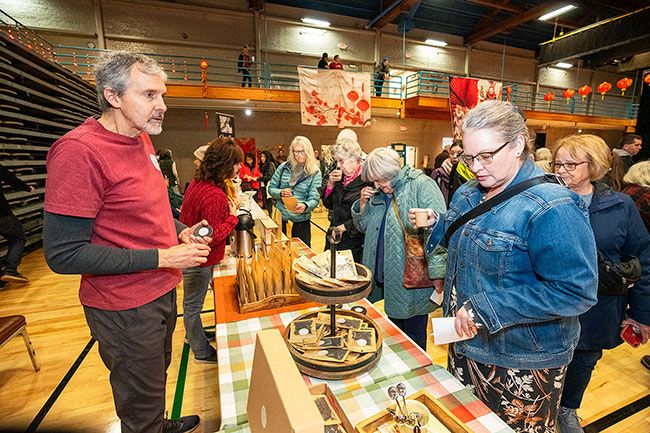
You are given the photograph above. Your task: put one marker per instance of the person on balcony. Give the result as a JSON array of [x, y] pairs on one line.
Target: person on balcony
[[244, 66], [323, 63], [382, 73], [336, 63]]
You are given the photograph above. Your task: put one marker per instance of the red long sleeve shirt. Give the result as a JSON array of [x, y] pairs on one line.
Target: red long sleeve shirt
[[206, 201]]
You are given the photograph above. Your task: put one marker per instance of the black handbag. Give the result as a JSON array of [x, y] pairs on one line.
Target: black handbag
[[617, 278]]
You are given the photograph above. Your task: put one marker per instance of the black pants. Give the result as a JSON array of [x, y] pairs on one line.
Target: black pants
[[12, 231], [379, 84], [578, 375], [415, 327], [246, 76], [136, 346], [300, 230]]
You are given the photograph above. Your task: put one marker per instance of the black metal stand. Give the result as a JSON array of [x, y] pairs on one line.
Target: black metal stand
[[333, 275]]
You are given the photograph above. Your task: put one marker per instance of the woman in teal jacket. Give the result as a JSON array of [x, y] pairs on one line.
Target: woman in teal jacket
[[383, 250], [299, 177]]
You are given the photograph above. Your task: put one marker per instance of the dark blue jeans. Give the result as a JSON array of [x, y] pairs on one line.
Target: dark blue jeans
[[415, 327], [12, 231], [578, 375]]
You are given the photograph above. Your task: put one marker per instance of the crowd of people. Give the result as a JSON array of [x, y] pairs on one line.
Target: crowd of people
[[496, 229]]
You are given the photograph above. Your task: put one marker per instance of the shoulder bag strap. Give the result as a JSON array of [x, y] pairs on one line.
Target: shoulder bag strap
[[497, 199], [396, 209]]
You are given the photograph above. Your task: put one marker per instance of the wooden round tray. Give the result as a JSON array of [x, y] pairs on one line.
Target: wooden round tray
[[335, 370], [337, 295]]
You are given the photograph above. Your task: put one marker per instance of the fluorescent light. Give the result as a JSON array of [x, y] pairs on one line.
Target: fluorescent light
[[557, 12], [435, 43], [311, 31], [319, 23], [563, 65], [248, 111]]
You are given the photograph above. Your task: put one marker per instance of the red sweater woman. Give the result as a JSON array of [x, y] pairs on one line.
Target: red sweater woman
[[209, 197], [249, 173]]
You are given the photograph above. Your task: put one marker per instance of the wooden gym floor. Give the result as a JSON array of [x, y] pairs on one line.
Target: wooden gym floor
[[59, 334]]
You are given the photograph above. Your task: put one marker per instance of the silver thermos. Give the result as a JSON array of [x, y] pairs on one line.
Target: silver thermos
[[244, 242]]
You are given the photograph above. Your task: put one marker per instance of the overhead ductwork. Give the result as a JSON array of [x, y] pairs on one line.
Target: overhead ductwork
[[601, 43]]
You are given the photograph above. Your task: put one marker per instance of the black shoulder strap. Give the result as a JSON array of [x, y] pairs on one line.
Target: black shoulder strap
[[497, 199]]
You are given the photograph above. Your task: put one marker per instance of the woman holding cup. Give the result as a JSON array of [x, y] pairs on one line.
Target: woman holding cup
[[297, 182], [516, 308], [342, 190], [384, 248]]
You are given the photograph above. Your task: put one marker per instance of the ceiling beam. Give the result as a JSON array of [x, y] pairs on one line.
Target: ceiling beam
[[489, 18], [389, 14], [516, 9], [514, 21]]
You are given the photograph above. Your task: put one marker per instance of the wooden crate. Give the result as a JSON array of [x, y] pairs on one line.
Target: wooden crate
[[444, 415]]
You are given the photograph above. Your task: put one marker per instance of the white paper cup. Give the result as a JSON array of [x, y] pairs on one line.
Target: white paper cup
[[421, 217]]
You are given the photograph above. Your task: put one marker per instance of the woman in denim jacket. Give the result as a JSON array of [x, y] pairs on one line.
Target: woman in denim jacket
[[619, 230], [517, 277]]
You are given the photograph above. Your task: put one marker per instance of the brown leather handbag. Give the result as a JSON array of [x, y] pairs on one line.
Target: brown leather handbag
[[416, 270]]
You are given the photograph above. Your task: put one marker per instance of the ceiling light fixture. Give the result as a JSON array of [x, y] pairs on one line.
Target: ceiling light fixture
[[435, 43], [563, 65], [248, 111], [557, 12], [319, 23]]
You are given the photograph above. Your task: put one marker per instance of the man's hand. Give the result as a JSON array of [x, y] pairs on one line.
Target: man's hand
[[183, 256], [645, 329], [187, 235]]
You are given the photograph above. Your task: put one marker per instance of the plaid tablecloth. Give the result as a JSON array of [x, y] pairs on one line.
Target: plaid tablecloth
[[363, 403], [236, 344]]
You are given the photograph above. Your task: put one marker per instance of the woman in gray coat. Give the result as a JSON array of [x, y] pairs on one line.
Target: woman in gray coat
[[384, 253]]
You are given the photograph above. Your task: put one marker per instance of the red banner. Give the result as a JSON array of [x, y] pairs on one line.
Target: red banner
[[467, 93]]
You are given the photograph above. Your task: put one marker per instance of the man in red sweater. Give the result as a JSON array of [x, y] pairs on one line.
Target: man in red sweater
[[336, 64]]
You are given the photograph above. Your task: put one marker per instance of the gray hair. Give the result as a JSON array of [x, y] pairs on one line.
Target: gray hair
[[347, 134], [113, 71], [347, 149], [381, 164], [505, 119]]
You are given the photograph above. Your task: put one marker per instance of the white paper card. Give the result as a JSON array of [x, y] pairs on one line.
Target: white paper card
[[444, 331], [436, 297]]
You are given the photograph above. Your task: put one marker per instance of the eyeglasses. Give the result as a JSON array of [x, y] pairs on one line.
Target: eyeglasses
[[299, 152], [485, 158], [568, 166]]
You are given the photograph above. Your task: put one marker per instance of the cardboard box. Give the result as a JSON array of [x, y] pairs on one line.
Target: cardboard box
[[279, 401]]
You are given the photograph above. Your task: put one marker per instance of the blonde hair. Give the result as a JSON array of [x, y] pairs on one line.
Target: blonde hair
[[505, 119], [311, 165], [543, 154], [590, 147], [382, 163], [638, 174]]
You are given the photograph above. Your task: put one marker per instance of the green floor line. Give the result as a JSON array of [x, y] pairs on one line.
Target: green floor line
[[180, 383]]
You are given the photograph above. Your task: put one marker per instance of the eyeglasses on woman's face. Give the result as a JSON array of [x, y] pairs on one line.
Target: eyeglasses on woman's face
[[568, 166], [484, 158], [299, 152]]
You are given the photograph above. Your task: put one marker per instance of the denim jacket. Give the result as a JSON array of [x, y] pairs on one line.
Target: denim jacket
[[528, 268]]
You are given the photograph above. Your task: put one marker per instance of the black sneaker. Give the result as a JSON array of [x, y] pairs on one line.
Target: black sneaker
[[210, 335], [183, 424], [14, 276], [212, 359]]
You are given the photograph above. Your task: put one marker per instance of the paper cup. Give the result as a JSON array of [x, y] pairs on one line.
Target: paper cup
[[421, 218]]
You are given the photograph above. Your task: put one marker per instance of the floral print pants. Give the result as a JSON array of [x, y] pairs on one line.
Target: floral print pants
[[527, 400]]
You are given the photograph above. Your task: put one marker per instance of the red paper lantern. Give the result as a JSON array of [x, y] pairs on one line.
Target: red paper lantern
[[509, 92], [549, 97], [568, 94], [584, 91], [623, 84], [647, 79], [603, 88], [204, 77]]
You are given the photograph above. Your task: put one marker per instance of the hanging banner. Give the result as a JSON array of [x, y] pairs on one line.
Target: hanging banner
[[467, 93], [334, 97]]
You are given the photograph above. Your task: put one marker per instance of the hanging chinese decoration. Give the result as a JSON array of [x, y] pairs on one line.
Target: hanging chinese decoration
[[207, 120], [623, 84], [204, 77], [185, 77], [549, 97], [568, 94], [584, 91], [508, 92], [603, 88], [646, 79]]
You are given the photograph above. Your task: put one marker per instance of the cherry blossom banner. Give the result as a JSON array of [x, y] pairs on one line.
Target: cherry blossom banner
[[334, 97], [467, 93]]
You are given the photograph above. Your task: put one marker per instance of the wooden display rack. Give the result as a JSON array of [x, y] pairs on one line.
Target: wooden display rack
[[440, 412]]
